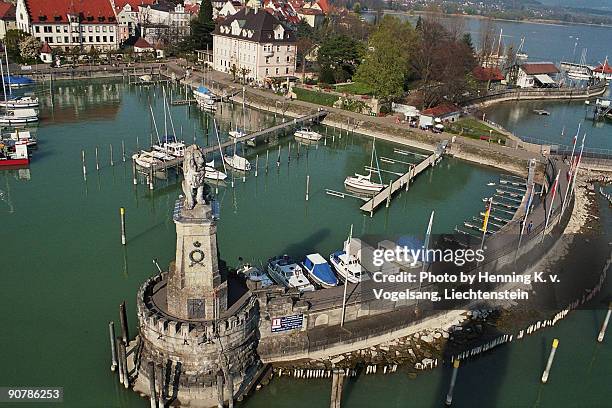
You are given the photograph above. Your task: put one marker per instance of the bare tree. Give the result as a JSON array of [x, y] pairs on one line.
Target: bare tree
[[487, 41]]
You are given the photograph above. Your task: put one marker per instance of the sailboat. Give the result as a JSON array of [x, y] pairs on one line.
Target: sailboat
[[169, 144], [212, 173], [237, 162], [364, 183], [520, 54], [582, 71]]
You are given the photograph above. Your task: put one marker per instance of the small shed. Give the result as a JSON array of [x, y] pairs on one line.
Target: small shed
[[446, 112], [143, 45], [46, 53]]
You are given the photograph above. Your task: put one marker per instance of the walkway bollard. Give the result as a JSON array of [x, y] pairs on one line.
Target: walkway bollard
[[551, 357], [97, 162], [83, 161], [124, 323], [604, 326], [110, 146], [111, 333], [152, 394], [449, 396], [307, 185], [122, 214], [118, 344]]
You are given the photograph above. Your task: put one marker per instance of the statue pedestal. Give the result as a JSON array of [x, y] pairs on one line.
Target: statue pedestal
[[196, 289]]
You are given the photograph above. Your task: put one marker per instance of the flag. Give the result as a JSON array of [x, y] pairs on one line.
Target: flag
[[427, 238], [552, 194], [486, 216], [527, 207]]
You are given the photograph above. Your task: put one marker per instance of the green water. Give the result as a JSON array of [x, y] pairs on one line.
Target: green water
[[65, 272]]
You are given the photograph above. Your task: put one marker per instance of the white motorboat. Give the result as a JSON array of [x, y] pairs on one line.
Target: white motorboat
[[212, 173], [347, 266], [23, 136], [21, 102], [160, 155], [320, 271], [19, 117], [284, 271], [236, 134], [205, 99], [363, 183], [145, 78], [145, 160], [237, 162], [308, 134], [254, 274], [171, 146]]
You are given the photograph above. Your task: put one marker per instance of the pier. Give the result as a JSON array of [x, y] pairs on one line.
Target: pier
[[404, 180]]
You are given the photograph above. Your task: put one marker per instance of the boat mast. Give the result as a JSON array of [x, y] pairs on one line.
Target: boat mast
[[219, 143], [154, 124], [3, 86], [8, 71], [171, 120], [165, 119]]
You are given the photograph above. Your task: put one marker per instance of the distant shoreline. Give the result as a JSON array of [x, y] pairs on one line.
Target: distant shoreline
[[536, 21]]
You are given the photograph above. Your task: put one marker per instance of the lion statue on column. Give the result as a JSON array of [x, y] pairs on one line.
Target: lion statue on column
[[194, 167]]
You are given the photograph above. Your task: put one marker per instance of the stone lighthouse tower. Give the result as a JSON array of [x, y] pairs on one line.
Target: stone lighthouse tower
[[202, 347]]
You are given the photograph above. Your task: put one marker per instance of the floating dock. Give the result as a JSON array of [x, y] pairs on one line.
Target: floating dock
[[385, 194]]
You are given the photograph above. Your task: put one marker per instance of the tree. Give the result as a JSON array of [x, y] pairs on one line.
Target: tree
[[338, 58], [12, 40], [467, 40], [357, 8], [202, 27], [305, 43], [244, 71], [234, 71], [29, 48], [385, 65]]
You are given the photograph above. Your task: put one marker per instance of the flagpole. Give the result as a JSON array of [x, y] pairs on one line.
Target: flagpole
[[552, 202], [486, 223], [346, 278], [425, 247], [529, 200], [571, 172], [578, 163]]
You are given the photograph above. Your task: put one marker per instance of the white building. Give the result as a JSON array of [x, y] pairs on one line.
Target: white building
[[65, 24], [257, 41], [536, 75], [7, 18], [164, 21]]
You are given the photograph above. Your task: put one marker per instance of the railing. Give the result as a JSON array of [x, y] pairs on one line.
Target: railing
[[526, 93]]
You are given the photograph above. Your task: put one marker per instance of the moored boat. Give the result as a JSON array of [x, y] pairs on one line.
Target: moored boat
[[320, 271], [363, 183], [21, 102], [13, 154], [19, 117], [146, 160], [308, 134], [237, 162], [254, 274], [23, 136], [286, 272], [212, 173], [347, 266], [171, 146]]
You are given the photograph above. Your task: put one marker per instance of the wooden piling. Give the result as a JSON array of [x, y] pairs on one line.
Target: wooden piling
[[267, 159], [111, 333], [122, 215], [307, 185], [449, 395], [151, 185], [604, 326], [337, 384], [134, 175], [123, 151], [152, 394], [97, 162], [126, 374], [278, 160], [118, 344], [551, 357], [84, 167], [110, 146], [289, 153], [124, 323], [256, 164]]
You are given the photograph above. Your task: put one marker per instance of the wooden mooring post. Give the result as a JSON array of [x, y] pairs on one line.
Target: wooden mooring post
[[118, 344], [84, 167], [110, 147], [124, 324], [97, 162], [122, 215], [604, 326], [336, 391], [451, 388], [111, 333], [551, 357]]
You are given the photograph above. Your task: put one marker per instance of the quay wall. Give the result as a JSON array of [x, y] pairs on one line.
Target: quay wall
[[367, 324], [538, 94]]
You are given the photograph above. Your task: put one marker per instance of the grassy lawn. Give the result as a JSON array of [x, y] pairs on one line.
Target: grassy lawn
[[470, 127], [317, 97], [355, 88]]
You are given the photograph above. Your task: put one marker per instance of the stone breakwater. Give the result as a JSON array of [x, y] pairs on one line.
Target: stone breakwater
[[470, 333]]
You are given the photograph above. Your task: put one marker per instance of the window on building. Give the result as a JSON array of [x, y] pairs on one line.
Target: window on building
[[267, 60], [97, 38], [276, 71], [278, 48], [59, 39], [65, 28], [90, 29], [90, 38], [287, 58], [37, 29], [277, 59], [111, 29], [112, 39], [287, 70], [266, 71], [103, 29], [47, 29], [66, 39], [58, 29], [103, 38], [97, 29]]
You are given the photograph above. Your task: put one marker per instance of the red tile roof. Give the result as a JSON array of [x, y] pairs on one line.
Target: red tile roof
[[603, 68], [487, 74], [46, 49], [192, 8], [441, 110], [537, 68], [142, 43], [325, 6], [134, 3], [56, 11], [7, 11]]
